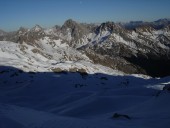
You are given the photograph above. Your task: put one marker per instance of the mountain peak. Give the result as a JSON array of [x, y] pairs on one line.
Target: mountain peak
[[108, 26], [2, 32], [162, 20], [22, 30], [69, 24], [36, 28]]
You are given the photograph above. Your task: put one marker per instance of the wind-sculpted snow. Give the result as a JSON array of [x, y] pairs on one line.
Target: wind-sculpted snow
[[64, 99]]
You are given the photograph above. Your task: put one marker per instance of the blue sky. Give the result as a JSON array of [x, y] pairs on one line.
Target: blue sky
[[16, 13]]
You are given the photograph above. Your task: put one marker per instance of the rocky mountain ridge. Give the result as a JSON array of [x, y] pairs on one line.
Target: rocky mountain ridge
[[134, 48]]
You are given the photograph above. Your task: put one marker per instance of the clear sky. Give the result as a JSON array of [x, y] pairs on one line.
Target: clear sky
[[27, 13]]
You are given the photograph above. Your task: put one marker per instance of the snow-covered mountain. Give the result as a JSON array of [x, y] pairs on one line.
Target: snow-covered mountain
[[143, 48], [131, 51], [86, 76], [158, 24]]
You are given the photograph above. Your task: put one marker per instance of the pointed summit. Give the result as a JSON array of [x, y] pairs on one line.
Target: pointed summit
[[22, 30], [37, 28], [70, 24], [74, 32], [108, 26]]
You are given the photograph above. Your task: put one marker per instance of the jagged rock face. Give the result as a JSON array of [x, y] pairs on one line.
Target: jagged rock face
[[30, 36], [116, 63], [76, 29], [133, 47], [74, 32], [21, 35], [110, 27]]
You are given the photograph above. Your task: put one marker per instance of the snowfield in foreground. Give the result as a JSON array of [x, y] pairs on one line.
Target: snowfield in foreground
[[76, 100], [60, 87]]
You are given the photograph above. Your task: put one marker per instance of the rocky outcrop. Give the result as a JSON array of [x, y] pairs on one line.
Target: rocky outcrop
[[144, 49], [74, 32], [30, 35]]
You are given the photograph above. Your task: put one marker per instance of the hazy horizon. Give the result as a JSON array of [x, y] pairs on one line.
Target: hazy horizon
[[48, 13]]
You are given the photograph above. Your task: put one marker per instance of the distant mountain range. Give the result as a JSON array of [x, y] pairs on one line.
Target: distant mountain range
[[133, 48], [159, 24]]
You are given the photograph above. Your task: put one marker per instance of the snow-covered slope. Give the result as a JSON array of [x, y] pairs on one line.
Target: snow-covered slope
[[67, 100], [48, 56]]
